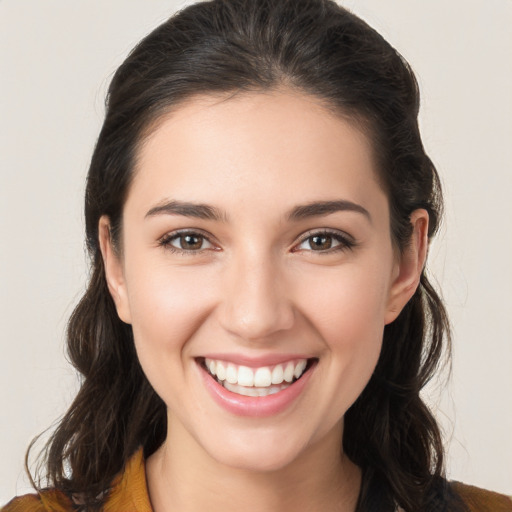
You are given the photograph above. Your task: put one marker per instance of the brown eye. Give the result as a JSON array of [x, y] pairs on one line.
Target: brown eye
[[325, 242], [190, 242], [320, 242], [187, 242]]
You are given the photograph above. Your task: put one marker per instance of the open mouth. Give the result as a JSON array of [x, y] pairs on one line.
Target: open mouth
[[256, 382]]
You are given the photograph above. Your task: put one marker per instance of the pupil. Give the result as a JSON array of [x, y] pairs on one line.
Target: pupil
[[321, 242], [191, 242]]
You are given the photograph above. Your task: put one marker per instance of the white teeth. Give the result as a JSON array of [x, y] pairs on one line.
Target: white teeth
[[301, 366], [262, 377], [221, 371], [243, 390], [277, 374], [288, 372], [245, 376], [232, 374]]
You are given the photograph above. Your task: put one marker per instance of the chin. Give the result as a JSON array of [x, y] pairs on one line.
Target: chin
[[256, 455]]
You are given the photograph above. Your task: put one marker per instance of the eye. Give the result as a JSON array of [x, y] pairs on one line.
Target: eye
[[325, 242], [186, 242]]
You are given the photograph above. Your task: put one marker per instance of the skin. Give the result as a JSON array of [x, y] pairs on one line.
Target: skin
[[256, 285]]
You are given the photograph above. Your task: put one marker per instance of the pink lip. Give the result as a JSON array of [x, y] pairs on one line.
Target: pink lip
[[256, 362], [254, 406]]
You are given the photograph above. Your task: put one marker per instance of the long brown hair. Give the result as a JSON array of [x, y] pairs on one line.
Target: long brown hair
[[224, 46]]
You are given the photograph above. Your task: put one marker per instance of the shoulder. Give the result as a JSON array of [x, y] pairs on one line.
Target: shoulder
[[481, 500], [45, 501], [128, 492]]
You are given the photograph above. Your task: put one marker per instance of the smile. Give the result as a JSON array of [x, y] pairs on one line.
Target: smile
[[256, 382], [255, 391]]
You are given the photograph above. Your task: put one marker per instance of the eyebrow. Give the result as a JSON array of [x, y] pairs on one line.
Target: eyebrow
[[300, 212], [187, 209], [318, 208]]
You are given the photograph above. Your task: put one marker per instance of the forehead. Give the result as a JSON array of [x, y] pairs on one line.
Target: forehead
[[257, 144]]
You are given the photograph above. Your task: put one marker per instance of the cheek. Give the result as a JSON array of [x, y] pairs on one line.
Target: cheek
[[349, 315], [167, 307], [347, 311], [348, 304]]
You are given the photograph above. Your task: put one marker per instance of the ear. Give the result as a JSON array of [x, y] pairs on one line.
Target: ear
[[410, 266], [114, 272]]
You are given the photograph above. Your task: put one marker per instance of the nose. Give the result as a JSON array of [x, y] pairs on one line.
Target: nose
[[256, 302]]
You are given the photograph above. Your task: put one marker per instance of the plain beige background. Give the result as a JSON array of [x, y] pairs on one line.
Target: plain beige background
[[56, 58]]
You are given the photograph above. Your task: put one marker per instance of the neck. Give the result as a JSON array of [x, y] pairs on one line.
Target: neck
[[182, 477]]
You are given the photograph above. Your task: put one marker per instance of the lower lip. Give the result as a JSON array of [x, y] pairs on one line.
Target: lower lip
[[255, 406]]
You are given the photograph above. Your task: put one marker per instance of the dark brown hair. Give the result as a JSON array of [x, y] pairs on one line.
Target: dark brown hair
[[229, 46]]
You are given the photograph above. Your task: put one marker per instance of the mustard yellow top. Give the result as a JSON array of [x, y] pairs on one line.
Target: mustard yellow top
[[129, 493]]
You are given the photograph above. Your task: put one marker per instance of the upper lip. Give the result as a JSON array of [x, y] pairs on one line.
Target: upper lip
[[255, 362]]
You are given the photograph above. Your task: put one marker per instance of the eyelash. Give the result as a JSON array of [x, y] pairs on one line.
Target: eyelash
[[166, 242], [344, 242]]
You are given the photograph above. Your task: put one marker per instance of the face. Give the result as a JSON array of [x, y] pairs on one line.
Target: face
[[258, 273]]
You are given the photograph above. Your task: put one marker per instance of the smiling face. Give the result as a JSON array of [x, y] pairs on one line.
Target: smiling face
[[256, 245]]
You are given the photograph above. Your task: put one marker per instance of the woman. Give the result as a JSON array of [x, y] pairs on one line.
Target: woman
[[258, 324]]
